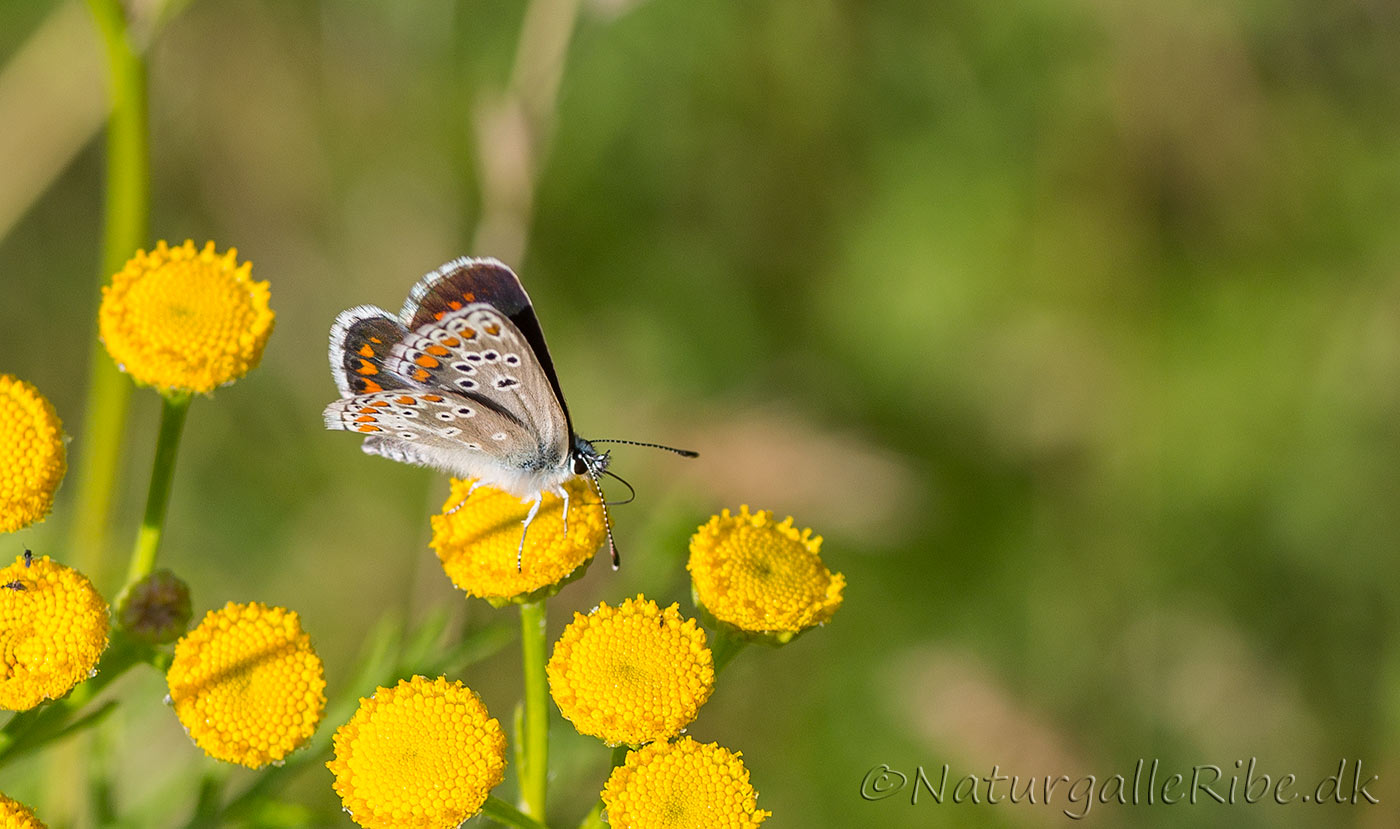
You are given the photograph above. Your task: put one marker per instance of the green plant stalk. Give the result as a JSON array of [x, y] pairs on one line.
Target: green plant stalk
[[126, 218], [174, 407], [594, 818], [726, 646], [502, 812], [534, 766]]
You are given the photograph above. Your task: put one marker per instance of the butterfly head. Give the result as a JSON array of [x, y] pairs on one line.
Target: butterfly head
[[587, 460]]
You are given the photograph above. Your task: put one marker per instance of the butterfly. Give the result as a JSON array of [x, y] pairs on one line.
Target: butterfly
[[462, 381]]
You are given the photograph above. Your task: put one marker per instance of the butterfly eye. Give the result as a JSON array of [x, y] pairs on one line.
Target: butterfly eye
[[580, 465]]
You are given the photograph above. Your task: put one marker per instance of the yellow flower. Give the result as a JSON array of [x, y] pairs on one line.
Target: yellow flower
[[762, 577], [185, 320], [15, 815], [246, 684], [631, 674], [479, 542], [682, 785], [32, 455], [421, 755], [53, 629]]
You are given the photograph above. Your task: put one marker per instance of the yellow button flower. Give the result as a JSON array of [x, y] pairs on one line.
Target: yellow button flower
[[762, 577], [477, 538], [682, 785], [421, 755], [632, 673], [185, 320], [246, 684], [15, 815], [53, 629], [32, 454]]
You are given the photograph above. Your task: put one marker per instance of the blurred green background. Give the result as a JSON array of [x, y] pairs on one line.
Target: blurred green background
[[1073, 327]]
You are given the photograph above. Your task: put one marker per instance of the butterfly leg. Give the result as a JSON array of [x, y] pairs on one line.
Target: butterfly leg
[[463, 502], [564, 493], [529, 517]]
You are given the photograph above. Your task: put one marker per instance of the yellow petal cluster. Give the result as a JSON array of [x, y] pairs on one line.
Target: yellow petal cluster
[[246, 684], [53, 629], [421, 755], [15, 815], [32, 454], [477, 538], [184, 319], [682, 785], [631, 674], [761, 576]]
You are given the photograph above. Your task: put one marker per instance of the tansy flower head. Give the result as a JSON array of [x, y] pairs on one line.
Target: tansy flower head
[[762, 577], [682, 785], [632, 673], [53, 629], [477, 538], [32, 455], [15, 815], [246, 684], [185, 320], [421, 755]]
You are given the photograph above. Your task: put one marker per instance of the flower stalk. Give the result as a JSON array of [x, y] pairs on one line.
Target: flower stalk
[[174, 407], [534, 764], [126, 217]]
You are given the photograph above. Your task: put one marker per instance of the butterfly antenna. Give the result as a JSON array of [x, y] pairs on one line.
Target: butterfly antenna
[[631, 493], [607, 520], [684, 453]]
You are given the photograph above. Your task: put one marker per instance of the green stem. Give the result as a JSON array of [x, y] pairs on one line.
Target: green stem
[[594, 818], [502, 812], [172, 423], [534, 767], [726, 646], [126, 216]]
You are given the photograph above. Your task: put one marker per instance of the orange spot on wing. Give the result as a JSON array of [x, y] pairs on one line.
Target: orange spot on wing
[[404, 400], [469, 333], [366, 367], [366, 350], [380, 403], [368, 427], [420, 374], [451, 342], [365, 418], [493, 330], [454, 304], [376, 340], [432, 398], [439, 315], [427, 362], [469, 296], [437, 350], [371, 386]]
